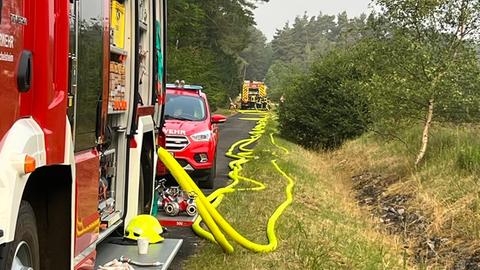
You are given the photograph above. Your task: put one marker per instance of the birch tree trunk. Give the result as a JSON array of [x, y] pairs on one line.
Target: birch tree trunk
[[426, 133]]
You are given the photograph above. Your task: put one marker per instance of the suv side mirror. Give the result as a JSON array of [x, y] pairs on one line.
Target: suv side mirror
[[218, 119]]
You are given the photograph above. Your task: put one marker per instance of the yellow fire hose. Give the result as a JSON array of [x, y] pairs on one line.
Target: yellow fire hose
[[216, 224]]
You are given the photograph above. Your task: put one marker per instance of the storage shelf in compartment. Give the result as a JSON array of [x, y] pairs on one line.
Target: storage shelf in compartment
[[143, 26], [117, 50], [116, 112], [103, 234]]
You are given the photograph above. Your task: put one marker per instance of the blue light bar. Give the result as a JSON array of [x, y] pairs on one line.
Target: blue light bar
[[185, 87]]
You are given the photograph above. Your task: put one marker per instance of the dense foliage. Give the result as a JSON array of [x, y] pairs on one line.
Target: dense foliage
[[317, 68], [325, 107], [206, 43], [418, 63], [410, 64], [257, 56]]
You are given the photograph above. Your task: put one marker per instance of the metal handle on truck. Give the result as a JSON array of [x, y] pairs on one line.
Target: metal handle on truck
[[24, 74]]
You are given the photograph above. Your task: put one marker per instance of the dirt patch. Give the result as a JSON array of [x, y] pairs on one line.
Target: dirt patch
[[470, 263], [371, 186], [412, 225], [391, 209]]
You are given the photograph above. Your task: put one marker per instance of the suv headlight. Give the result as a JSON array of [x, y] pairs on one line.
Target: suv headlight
[[203, 136]]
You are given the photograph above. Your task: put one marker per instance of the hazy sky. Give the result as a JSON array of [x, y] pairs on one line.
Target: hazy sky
[[276, 13]]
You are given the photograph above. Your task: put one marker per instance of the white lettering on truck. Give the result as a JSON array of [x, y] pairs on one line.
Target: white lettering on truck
[[14, 18], [6, 57], [6, 41]]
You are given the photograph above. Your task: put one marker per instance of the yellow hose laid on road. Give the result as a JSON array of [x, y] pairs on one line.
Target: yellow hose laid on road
[[216, 224]]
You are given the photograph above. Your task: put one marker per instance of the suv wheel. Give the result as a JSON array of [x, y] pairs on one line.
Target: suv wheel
[[210, 180]]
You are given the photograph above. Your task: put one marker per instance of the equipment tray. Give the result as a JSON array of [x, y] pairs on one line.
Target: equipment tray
[[163, 252]]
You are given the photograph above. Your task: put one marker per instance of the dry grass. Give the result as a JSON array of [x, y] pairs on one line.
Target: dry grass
[[445, 189], [323, 229], [326, 229]]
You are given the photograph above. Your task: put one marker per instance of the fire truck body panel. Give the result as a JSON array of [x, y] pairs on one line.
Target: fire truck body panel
[[87, 219], [11, 45], [41, 77], [39, 136], [24, 138], [17, 48]]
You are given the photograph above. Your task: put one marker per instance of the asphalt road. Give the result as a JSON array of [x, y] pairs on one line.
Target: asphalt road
[[230, 132]]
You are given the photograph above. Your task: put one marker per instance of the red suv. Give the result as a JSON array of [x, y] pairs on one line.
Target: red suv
[[192, 132]]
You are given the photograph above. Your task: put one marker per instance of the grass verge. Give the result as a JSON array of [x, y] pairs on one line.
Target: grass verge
[[433, 208], [322, 229]]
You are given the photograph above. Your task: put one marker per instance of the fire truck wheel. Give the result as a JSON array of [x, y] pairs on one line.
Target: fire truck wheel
[[23, 252]]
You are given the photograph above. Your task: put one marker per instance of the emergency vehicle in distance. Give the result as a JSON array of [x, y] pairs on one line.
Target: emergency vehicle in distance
[[79, 86], [191, 131], [254, 96]]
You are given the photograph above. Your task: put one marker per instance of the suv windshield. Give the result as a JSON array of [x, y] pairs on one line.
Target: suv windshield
[[189, 108]]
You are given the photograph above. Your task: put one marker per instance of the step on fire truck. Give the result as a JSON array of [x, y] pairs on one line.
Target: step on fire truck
[[254, 96], [80, 81]]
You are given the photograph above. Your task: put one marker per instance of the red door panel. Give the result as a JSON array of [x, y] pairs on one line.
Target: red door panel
[[11, 46], [50, 29]]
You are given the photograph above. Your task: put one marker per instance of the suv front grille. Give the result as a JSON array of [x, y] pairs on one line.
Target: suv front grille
[[176, 143]]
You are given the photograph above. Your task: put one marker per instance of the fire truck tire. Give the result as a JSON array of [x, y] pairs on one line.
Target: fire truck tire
[[23, 252]]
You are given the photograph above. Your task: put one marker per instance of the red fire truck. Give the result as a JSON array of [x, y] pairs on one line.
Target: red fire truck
[[254, 95], [80, 81]]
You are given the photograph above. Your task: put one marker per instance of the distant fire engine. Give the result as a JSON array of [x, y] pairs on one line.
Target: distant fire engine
[[254, 95]]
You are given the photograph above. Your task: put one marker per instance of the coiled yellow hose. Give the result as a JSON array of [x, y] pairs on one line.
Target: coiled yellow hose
[[216, 224]]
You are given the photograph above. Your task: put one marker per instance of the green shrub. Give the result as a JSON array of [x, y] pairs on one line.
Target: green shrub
[[326, 107]]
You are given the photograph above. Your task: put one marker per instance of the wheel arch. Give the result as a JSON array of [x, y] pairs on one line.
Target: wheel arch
[[49, 192]]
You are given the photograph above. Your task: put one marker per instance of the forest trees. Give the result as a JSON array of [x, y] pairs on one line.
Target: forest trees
[[412, 63], [256, 58], [205, 42], [296, 47], [318, 70], [417, 64], [429, 47]]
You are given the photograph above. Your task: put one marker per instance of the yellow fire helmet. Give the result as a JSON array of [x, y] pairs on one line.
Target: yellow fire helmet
[[144, 226]]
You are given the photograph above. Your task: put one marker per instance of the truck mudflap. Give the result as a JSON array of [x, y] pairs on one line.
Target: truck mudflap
[[161, 254]]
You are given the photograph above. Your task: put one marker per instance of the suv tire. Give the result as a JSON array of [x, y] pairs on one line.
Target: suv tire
[[210, 179]]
